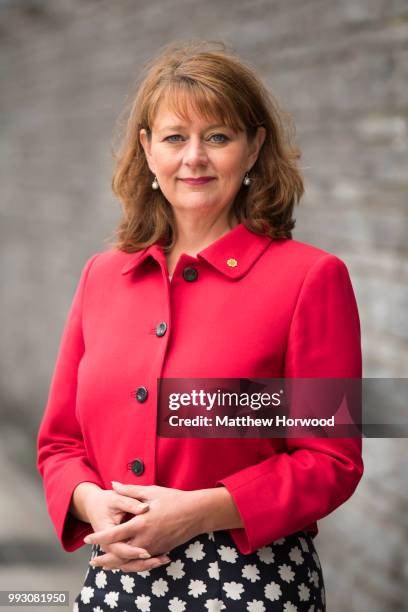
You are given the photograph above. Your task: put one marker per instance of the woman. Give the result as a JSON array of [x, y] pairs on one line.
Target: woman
[[204, 281]]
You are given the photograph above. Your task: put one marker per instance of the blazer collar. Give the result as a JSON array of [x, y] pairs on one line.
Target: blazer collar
[[233, 254]]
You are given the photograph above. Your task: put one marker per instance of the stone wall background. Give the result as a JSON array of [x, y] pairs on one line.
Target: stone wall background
[[341, 69]]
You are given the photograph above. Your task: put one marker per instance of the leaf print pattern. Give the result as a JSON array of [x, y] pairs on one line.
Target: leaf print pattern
[[210, 573], [87, 594], [295, 555], [233, 590], [227, 553], [160, 587], [177, 605], [143, 603], [304, 545], [251, 572], [304, 592], [314, 578], [215, 605], [144, 574], [195, 551], [128, 583], [175, 570], [196, 588], [289, 607], [256, 606], [266, 555], [273, 591], [214, 570], [100, 580], [111, 599], [286, 573]]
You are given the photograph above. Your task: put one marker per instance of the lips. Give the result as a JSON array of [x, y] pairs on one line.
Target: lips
[[198, 181]]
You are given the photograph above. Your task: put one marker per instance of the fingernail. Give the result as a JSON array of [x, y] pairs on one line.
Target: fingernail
[[115, 482], [164, 560], [143, 506], [145, 555], [87, 540]]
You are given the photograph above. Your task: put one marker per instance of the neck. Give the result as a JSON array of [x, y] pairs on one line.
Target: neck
[[194, 235]]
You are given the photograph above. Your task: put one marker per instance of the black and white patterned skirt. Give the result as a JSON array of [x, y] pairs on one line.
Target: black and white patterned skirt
[[209, 573]]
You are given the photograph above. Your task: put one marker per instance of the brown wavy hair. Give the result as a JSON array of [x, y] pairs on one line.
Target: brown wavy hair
[[221, 86]]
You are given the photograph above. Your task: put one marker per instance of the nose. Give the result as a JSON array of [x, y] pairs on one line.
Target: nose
[[195, 153]]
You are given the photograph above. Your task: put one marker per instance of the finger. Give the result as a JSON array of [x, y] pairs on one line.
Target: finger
[[129, 551], [143, 566], [110, 561], [130, 505], [107, 561], [124, 531], [138, 491]]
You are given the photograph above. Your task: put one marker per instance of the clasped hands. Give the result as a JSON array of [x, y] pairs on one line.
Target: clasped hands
[[163, 518]]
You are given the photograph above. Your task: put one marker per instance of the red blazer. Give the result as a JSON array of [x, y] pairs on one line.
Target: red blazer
[[287, 309]]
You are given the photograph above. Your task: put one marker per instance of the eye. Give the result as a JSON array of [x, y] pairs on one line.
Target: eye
[[222, 136], [173, 136]]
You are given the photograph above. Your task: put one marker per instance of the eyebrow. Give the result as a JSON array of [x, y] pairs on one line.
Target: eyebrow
[[182, 127]]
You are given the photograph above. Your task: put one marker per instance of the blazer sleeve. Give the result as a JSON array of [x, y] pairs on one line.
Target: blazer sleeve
[[61, 454], [292, 490]]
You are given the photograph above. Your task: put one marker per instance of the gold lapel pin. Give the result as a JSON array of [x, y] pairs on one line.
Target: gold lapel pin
[[232, 262]]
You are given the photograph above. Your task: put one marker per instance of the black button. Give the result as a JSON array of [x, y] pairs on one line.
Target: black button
[[161, 329], [190, 274], [137, 467], [141, 394]]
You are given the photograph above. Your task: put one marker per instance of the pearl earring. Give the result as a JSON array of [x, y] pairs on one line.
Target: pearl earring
[[247, 180], [155, 183]]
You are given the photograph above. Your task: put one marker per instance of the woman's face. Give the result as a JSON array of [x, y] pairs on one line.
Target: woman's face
[[181, 150]]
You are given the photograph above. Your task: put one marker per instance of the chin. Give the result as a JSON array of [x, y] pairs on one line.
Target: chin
[[196, 206]]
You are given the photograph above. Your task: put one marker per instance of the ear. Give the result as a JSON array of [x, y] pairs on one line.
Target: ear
[[256, 145], [146, 144]]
